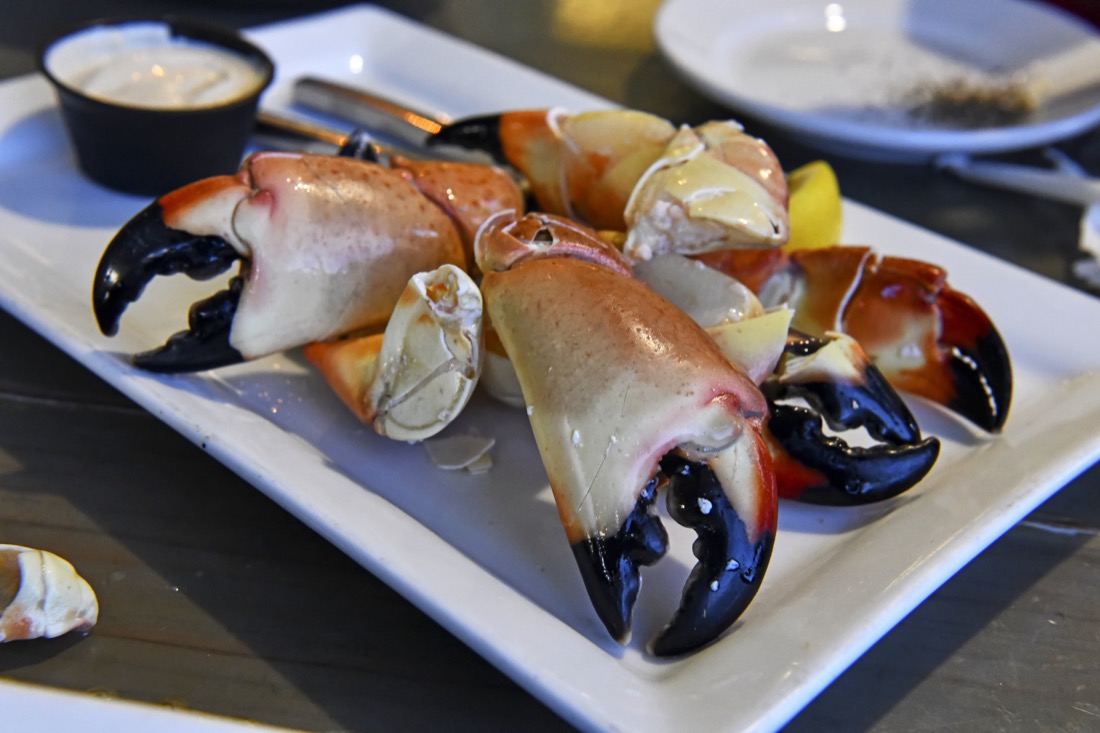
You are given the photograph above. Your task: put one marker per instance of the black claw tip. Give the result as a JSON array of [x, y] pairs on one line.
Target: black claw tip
[[360, 145], [854, 475], [981, 369], [610, 565], [205, 345], [144, 248], [730, 568], [474, 133], [983, 382], [872, 404]]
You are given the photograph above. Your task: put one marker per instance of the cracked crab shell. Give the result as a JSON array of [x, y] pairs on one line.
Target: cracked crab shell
[[713, 188], [604, 153], [42, 596], [412, 381]]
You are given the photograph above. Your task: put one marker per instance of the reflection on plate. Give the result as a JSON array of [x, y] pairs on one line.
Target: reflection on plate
[[848, 76], [485, 555]]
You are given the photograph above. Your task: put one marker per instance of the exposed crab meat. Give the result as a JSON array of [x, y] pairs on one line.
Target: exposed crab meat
[[712, 188], [42, 596], [751, 336]]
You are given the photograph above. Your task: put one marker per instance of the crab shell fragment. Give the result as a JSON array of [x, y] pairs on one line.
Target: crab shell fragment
[[411, 381], [42, 596]]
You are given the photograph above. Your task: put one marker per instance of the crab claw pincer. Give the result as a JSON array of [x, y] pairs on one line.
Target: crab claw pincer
[[842, 388], [627, 395], [147, 247]]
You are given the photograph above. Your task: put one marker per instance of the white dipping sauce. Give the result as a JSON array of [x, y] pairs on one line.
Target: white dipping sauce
[[180, 75], [142, 65]]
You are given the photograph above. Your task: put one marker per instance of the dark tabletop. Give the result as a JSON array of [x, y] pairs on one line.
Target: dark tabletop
[[212, 586]]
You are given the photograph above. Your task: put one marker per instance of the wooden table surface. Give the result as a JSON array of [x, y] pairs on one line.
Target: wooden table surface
[[209, 590]]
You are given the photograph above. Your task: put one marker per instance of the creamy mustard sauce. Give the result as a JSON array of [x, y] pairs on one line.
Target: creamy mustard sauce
[[171, 76], [142, 64]]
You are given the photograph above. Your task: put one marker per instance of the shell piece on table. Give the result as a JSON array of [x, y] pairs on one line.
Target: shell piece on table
[[41, 595]]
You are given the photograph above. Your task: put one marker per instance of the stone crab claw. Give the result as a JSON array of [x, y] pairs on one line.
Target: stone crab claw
[[627, 395], [831, 376], [707, 187], [924, 336], [326, 245]]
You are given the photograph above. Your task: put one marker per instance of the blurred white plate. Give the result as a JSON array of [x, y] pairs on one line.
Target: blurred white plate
[[843, 76], [486, 555]]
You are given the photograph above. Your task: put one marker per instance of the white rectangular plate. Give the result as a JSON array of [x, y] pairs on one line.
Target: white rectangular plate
[[33, 709], [485, 555]]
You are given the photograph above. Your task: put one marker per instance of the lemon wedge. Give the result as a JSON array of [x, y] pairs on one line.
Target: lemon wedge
[[815, 206]]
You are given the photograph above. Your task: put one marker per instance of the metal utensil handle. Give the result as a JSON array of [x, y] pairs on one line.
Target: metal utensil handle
[[381, 115], [1049, 184], [306, 129]]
